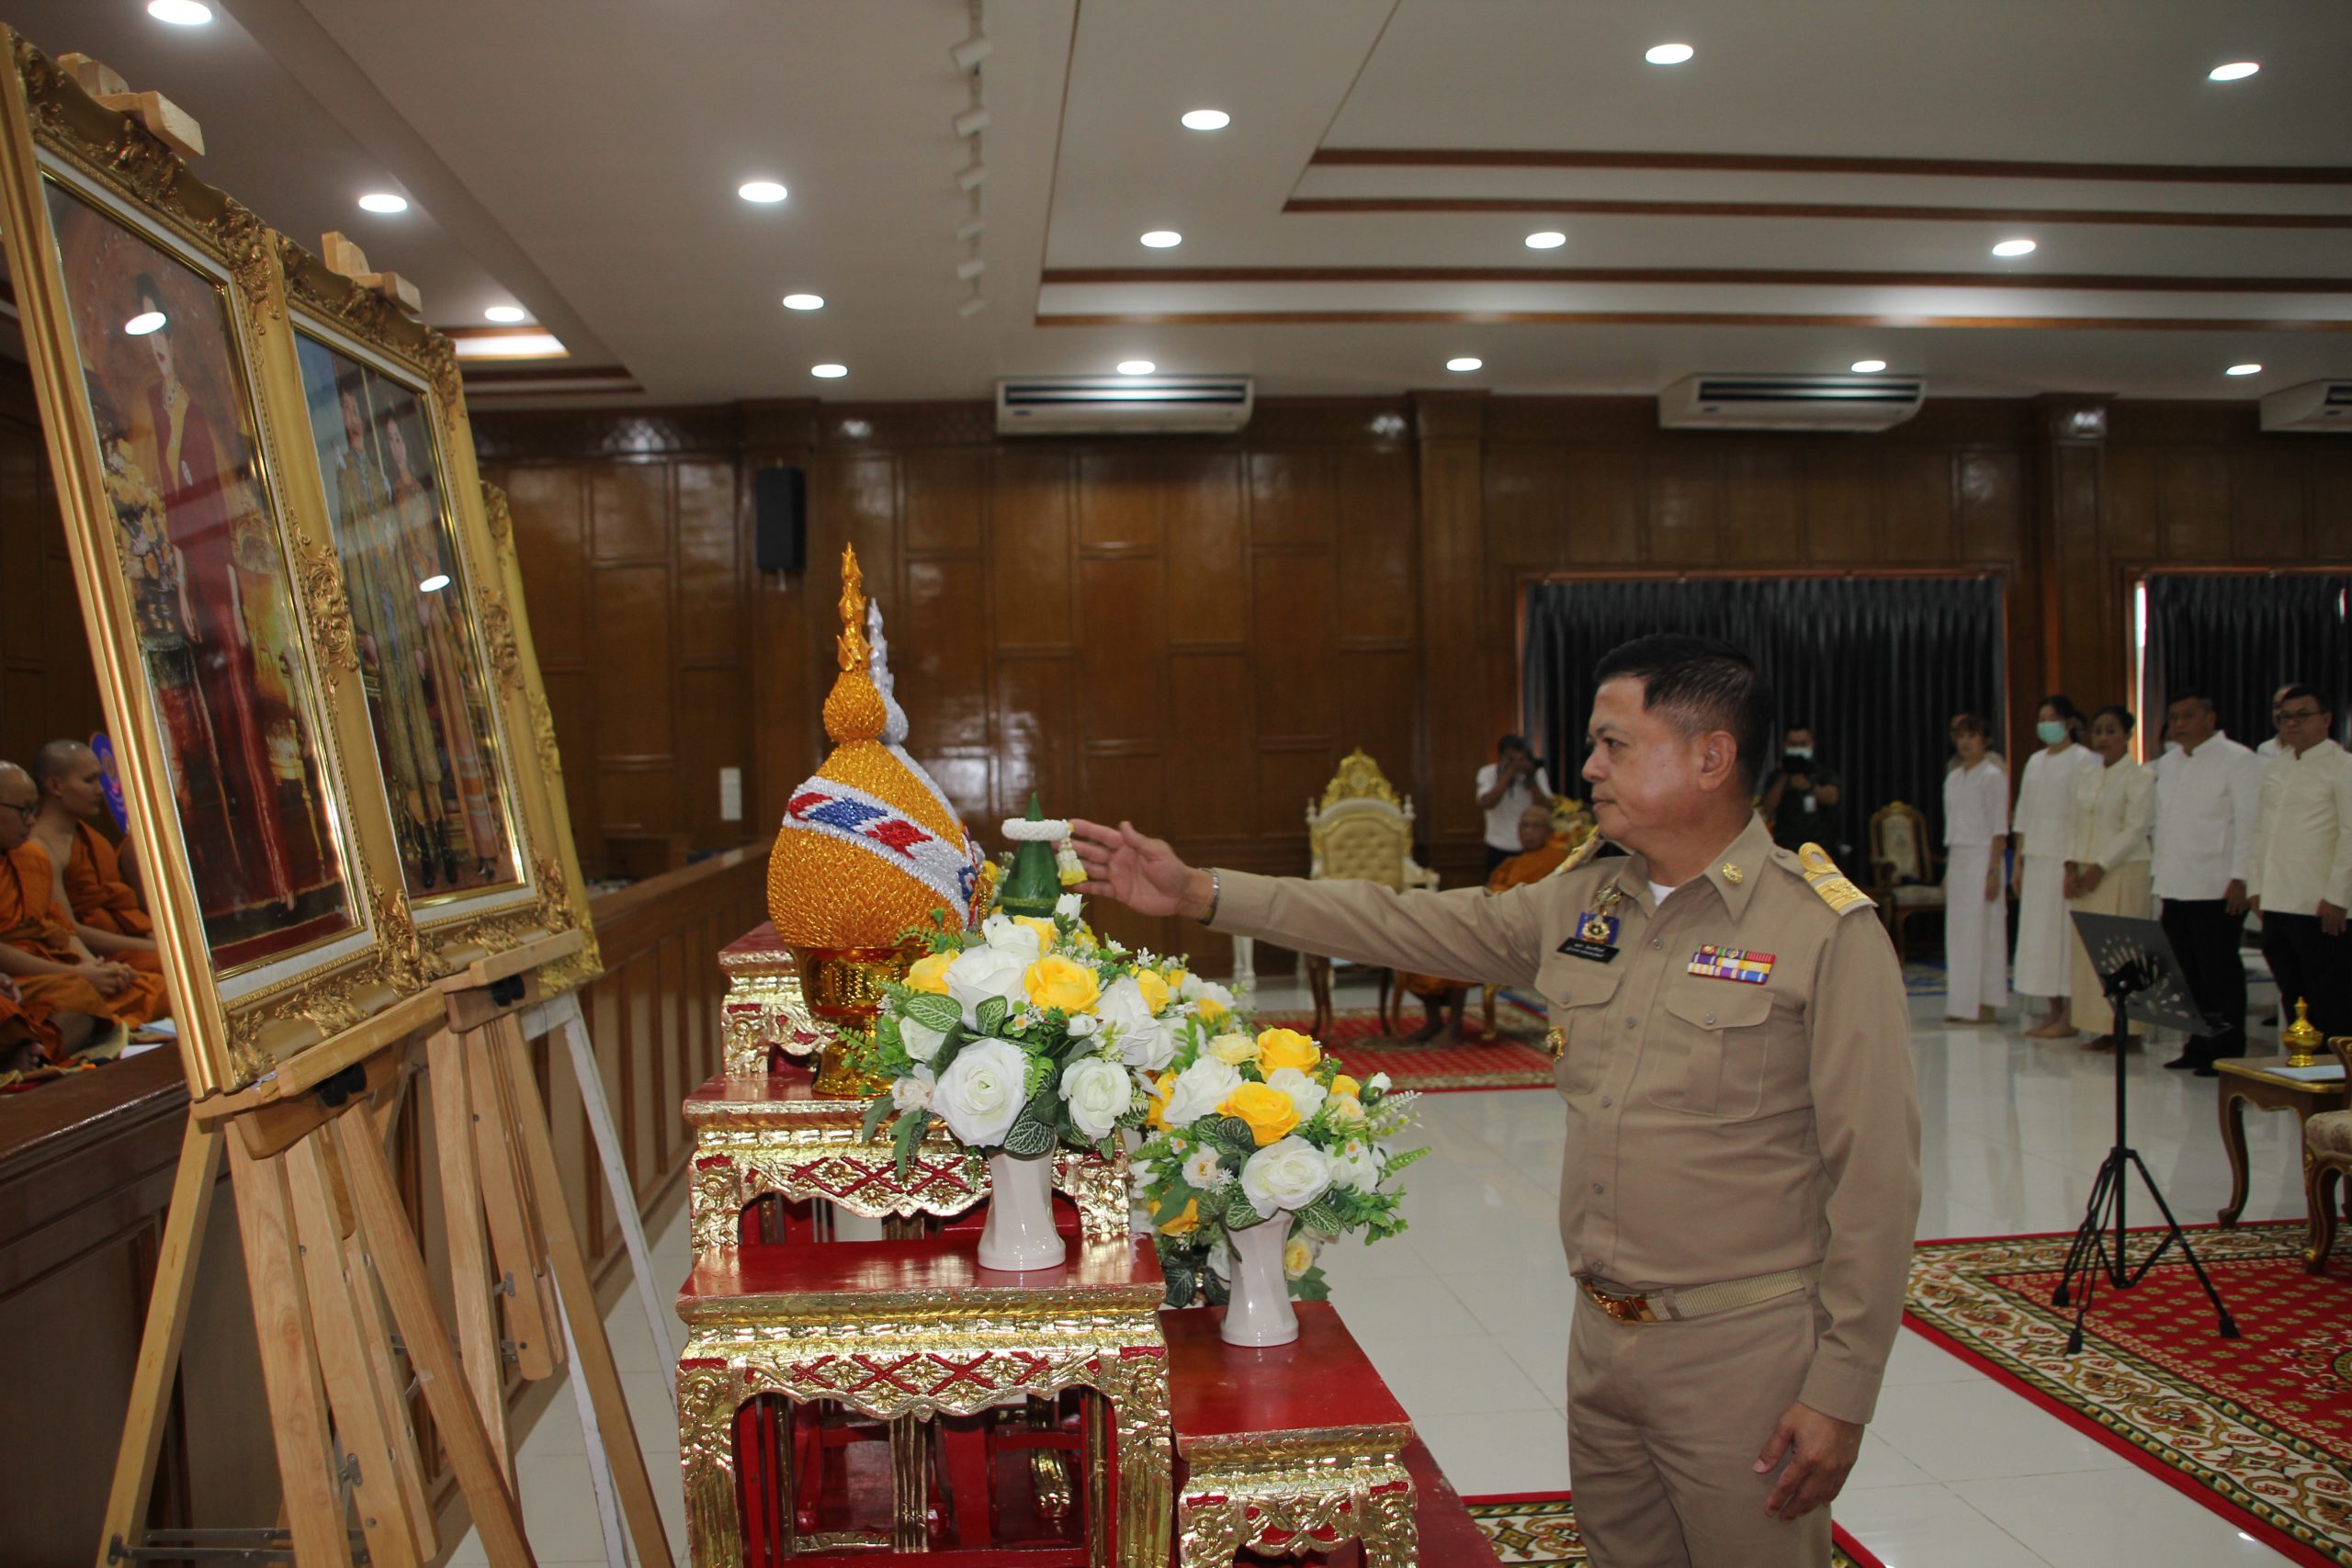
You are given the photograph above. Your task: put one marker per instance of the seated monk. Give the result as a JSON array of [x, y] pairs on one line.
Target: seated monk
[[1541, 850], [85, 996], [107, 915], [28, 1036]]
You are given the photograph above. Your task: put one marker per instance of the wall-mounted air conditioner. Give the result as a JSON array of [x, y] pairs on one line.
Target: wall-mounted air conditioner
[[2314, 405], [1790, 403], [1123, 405]]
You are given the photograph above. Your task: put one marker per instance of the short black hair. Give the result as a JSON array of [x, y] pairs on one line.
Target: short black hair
[[2193, 695], [1972, 724], [2296, 691], [1701, 683], [1513, 743], [1793, 724], [2123, 716]]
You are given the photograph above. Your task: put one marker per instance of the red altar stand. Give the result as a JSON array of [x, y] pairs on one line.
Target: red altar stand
[[1290, 1449], [912, 1333]]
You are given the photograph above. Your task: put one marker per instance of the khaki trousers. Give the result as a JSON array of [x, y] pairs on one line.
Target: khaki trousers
[[1664, 1422]]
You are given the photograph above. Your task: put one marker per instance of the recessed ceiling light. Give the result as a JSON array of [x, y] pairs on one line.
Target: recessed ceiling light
[[828, 372], [1137, 367], [2014, 248], [1207, 119], [506, 315], [1465, 361], [144, 322], [1546, 240], [2243, 370], [761, 191], [2236, 71], [383, 201], [1669, 53], [435, 584], [1161, 239], [1869, 366], [804, 302], [179, 12]]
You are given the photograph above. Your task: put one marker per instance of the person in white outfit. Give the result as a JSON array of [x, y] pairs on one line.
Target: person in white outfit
[[1977, 916], [2302, 884], [2043, 833], [2107, 866]]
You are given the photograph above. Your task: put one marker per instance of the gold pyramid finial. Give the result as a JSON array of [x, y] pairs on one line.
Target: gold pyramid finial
[[2301, 1038], [850, 645], [853, 709]]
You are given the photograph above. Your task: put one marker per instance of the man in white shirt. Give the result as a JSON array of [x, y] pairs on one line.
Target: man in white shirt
[[1507, 787], [2277, 742], [2209, 796], [2301, 884]]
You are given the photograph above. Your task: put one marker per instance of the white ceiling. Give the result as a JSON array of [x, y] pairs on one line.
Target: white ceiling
[[580, 158]]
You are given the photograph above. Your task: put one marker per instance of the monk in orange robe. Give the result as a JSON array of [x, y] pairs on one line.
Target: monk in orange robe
[[85, 994], [107, 915], [28, 1038], [1541, 852]]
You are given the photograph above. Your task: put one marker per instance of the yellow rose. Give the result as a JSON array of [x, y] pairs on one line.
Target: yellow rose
[[1208, 1010], [1175, 977], [1046, 934], [1161, 1090], [1154, 989], [929, 974], [1267, 1109], [1063, 982], [1279, 1048], [1345, 1108], [1298, 1258], [1342, 1084], [1234, 1049], [1184, 1223]]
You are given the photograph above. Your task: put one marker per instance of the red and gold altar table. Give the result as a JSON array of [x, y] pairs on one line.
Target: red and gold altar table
[[764, 1013], [898, 1329], [1285, 1451], [763, 1133]]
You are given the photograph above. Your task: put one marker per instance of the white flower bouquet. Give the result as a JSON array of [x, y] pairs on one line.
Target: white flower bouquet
[[1030, 1033], [1249, 1128]]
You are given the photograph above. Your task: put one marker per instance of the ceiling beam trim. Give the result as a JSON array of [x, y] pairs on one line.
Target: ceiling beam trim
[[1784, 211], [1776, 163]]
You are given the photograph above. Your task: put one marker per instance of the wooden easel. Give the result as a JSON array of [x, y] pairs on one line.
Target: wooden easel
[[324, 1229]]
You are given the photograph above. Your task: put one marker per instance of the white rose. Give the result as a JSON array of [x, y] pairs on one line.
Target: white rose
[[921, 1040], [1305, 1095], [1288, 1174], [982, 1091], [1099, 1093], [1068, 906], [1201, 1088], [913, 1091], [1376, 1084], [1357, 1165], [1195, 990], [1008, 935], [979, 973], [1144, 1040], [1202, 1170]]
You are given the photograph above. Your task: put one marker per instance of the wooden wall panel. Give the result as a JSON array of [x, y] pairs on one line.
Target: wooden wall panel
[[1213, 743], [937, 630], [1290, 500], [710, 568], [1037, 731], [1121, 493], [1296, 610], [628, 511], [1031, 554], [946, 497], [634, 706], [1124, 685], [1208, 566], [1603, 494], [1683, 507], [1763, 504]]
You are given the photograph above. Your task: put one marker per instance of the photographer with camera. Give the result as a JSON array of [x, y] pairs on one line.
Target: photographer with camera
[[1801, 797], [1507, 787]]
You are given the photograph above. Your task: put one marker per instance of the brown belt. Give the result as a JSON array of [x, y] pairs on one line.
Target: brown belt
[[1699, 1301]]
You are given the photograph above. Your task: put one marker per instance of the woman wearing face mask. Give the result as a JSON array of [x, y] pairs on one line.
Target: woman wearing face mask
[[2045, 824], [1977, 916], [2107, 869]]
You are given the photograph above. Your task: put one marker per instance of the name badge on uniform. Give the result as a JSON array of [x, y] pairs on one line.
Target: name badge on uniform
[[1596, 935], [1731, 964]]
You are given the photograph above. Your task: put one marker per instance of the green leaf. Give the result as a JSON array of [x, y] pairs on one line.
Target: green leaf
[[1219, 1293], [1240, 1214], [1324, 1215], [1028, 1138], [908, 1134], [933, 1010], [1234, 1133], [1311, 1286], [874, 1114], [991, 1014]]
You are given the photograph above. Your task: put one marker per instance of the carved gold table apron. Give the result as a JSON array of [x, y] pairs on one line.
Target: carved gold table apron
[[895, 1330], [763, 1012], [774, 1133], [1286, 1451], [2256, 1080]]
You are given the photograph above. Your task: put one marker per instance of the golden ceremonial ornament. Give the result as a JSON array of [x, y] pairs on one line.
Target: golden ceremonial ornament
[[1821, 874], [2301, 1039], [1733, 874], [763, 1012]]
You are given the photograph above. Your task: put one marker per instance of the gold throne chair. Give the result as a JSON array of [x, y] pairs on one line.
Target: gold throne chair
[[1903, 871], [1361, 831]]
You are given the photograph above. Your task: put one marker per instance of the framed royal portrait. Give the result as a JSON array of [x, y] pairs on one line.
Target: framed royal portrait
[[155, 320], [387, 461]]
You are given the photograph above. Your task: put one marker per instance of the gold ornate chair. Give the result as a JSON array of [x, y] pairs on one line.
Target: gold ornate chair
[[2327, 1159], [1902, 870], [1361, 831]]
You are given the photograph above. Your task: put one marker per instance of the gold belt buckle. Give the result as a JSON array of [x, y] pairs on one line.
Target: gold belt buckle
[[1623, 1309]]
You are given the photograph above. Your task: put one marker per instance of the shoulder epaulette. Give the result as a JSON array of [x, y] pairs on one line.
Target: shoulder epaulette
[[1581, 855], [1821, 875]]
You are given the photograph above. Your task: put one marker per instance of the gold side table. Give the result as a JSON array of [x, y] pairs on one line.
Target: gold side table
[[2257, 1081], [763, 1012], [909, 1329]]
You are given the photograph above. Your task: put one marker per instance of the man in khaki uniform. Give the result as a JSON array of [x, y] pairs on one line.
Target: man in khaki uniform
[[1741, 1178]]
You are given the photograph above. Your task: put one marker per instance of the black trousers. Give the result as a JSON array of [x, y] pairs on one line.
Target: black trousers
[[2313, 966], [2205, 936]]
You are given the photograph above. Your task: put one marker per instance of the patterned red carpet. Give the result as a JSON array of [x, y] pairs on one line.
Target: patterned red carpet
[[1538, 1530], [1512, 1059], [2259, 1429]]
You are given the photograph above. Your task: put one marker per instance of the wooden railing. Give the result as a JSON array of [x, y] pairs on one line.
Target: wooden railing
[[85, 1170]]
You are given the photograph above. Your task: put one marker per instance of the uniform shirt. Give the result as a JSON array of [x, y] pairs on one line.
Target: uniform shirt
[[2271, 747], [2114, 811], [2303, 840], [1976, 805], [2044, 819], [1717, 1129], [2207, 801], [1502, 817]]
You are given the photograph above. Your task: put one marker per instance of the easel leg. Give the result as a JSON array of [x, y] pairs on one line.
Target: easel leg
[[462, 1207], [530, 1315], [577, 1297], [159, 1340], [599, 1464], [289, 1363], [402, 1268]]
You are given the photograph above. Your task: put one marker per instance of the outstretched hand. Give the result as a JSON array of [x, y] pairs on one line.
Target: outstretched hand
[[1138, 871]]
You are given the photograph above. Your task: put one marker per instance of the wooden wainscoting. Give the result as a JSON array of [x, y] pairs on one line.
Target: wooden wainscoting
[[85, 1174]]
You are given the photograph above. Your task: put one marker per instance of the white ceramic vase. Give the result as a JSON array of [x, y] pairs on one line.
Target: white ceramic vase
[[1019, 1232], [1259, 1311]]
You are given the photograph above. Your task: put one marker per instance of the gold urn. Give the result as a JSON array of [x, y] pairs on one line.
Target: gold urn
[[2301, 1039]]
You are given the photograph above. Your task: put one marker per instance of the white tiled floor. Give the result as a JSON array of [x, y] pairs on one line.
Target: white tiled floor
[[1463, 1314]]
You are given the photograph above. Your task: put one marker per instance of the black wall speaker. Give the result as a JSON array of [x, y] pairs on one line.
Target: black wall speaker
[[780, 520]]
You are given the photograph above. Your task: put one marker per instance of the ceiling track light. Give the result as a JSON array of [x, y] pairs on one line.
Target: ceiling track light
[[970, 268], [971, 228], [971, 307], [972, 176], [968, 54], [971, 122]]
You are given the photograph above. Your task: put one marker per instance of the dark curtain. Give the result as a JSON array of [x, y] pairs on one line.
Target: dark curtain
[[1877, 666], [2242, 635]]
